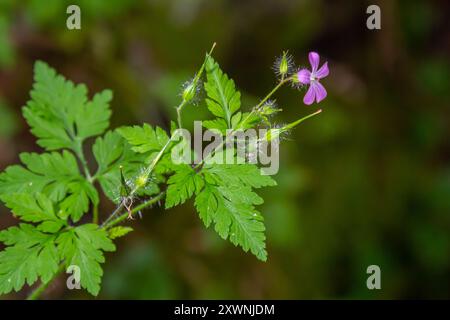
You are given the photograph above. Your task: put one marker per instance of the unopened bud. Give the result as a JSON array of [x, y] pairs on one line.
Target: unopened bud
[[283, 65], [189, 91], [141, 180]]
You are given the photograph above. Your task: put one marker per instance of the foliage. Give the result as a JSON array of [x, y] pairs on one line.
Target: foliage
[[51, 192]]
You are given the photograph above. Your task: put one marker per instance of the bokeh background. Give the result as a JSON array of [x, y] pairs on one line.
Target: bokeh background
[[366, 182]]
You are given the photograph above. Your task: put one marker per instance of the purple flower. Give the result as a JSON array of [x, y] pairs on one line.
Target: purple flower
[[316, 91]]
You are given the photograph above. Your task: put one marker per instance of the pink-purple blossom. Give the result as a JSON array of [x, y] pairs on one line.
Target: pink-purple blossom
[[316, 91]]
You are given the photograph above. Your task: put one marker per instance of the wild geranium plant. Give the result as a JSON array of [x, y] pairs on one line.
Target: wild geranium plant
[[55, 194]]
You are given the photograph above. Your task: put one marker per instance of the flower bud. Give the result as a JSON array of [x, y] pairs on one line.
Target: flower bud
[[269, 108], [266, 111], [283, 65], [189, 91], [284, 68], [141, 180], [276, 132]]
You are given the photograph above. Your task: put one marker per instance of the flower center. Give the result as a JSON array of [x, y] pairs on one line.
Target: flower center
[[313, 78]]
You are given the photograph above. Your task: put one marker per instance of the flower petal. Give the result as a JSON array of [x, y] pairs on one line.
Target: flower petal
[[310, 95], [323, 71], [314, 60], [304, 76], [319, 91]]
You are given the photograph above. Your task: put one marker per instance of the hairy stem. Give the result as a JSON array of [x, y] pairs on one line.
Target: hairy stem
[[275, 89], [155, 161], [179, 109], [138, 208]]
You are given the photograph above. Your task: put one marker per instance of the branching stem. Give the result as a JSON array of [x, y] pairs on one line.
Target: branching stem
[[147, 173], [138, 208]]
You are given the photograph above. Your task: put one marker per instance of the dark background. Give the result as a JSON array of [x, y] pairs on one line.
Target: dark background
[[366, 182]]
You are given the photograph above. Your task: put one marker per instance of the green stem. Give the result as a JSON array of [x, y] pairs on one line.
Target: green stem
[[39, 290], [138, 208], [280, 84], [152, 165], [194, 83], [297, 122]]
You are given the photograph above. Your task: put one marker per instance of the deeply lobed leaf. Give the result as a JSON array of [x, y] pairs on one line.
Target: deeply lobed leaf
[[83, 247], [112, 151], [59, 112], [183, 184], [223, 99], [144, 138], [228, 201], [54, 174], [30, 255]]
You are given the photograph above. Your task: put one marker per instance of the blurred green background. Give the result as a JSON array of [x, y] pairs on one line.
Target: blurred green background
[[366, 182]]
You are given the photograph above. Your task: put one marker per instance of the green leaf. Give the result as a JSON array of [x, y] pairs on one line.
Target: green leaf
[[119, 231], [59, 112], [83, 246], [182, 185], [54, 174], [249, 120], [52, 226], [223, 99], [31, 208], [34, 208], [206, 203], [228, 201], [108, 151], [246, 173], [49, 172], [144, 139], [216, 124], [24, 234], [77, 203], [233, 218], [31, 255], [93, 118]]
